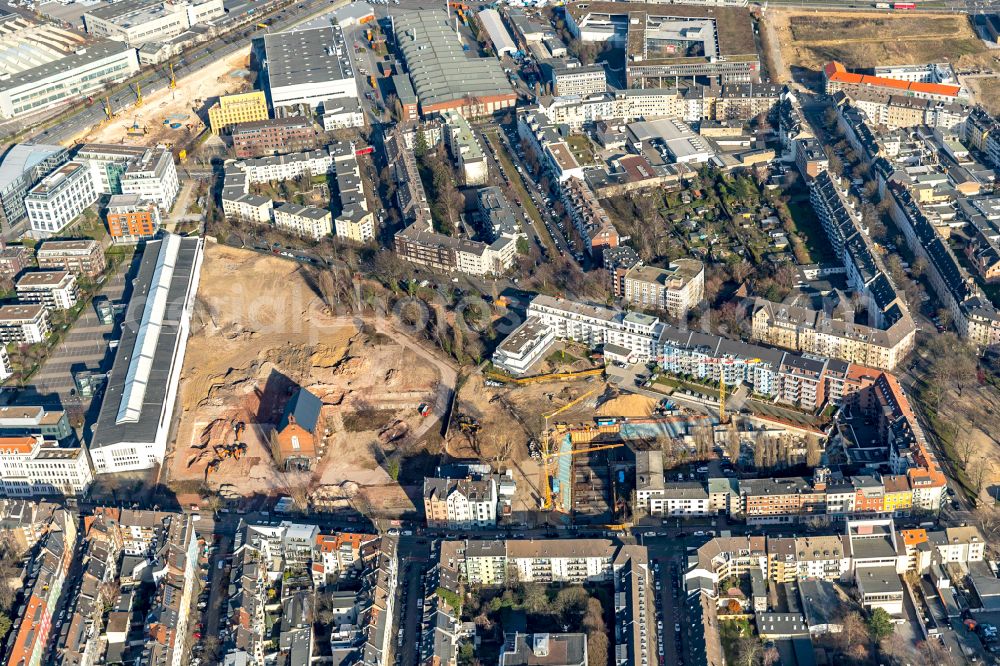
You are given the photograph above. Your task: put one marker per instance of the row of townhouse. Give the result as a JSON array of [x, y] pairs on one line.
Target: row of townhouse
[[694, 103], [794, 378], [866, 274], [895, 111], [44, 580], [122, 550], [304, 559], [975, 317], [418, 243], [787, 500], [492, 563], [862, 545]]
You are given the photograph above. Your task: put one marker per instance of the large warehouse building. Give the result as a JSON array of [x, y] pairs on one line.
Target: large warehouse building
[[134, 421], [445, 77], [503, 43], [307, 67], [664, 41]]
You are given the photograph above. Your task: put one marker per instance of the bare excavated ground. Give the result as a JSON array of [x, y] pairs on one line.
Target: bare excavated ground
[[181, 105], [258, 333], [809, 39]]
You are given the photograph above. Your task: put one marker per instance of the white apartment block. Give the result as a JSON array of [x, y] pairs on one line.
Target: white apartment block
[[583, 80], [304, 221], [460, 503], [674, 290], [561, 561], [961, 544], [29, 466], [525, 346], [23, 324], [342, 113], [153, 176], [465, 149], [594, 326], [56, 290], [249, 208], [59, 199], [286, 167], [680, 500]]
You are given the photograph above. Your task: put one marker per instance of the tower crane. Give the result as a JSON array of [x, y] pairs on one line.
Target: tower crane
[[547, 471]]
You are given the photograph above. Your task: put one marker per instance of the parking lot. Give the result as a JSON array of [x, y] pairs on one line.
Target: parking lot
[[84, 347]]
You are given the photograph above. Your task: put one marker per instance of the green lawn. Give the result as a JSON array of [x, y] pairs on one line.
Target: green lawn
[[812, 233]]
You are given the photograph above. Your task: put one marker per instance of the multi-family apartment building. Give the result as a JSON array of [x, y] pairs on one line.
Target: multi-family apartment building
[[23, 324], [272, 137], [420, 244], [23, 166], [132, 218], [354, 221], [837, 79], [306, 221], [465, 149], [80, 257], [31, 466], [153, 177], [59, 198], [56, 290], [460, 503], [592, 222], [45, 579], [583, 80], [674, 290], [815, 332], [107, 163], [232, 110]]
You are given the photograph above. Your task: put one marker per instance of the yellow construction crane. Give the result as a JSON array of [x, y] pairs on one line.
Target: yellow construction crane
[[173, 77], [107, 108], [565, 407], [138, 94], [547, 472], [722, 386]]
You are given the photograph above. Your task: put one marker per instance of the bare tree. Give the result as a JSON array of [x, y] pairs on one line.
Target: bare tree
[[814, 452]]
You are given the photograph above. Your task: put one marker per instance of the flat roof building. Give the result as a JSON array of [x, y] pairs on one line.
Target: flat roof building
[[304, 68], [135, 416], [445, 76], [136, 22], [85, 71]]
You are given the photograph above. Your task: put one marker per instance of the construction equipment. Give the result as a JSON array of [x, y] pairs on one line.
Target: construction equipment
[[173, 77], [565, 407], [107, 108], [138, 94], [547, 471]]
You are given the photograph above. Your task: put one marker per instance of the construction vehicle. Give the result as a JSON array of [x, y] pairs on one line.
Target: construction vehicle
[[467, 424], [138, 94], [173, 77], [107, 108]]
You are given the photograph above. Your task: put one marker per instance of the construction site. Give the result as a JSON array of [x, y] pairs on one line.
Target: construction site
[[259, 334], [570, 440], [174, 116]]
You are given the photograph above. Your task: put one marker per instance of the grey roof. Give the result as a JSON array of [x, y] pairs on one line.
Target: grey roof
[[441, 71], [304, 407], [82, 57], [306, 56], [22, 157], [878, 580], [109, 430]]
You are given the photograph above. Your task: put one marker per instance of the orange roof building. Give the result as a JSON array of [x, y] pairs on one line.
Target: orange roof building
[[838, 78]]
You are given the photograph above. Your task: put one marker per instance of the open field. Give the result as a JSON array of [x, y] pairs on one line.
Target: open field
[[191, 98], [986, 91], [810, 39], [259, 332]]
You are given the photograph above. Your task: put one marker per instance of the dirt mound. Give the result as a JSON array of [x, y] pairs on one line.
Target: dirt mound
[[638, 406]]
